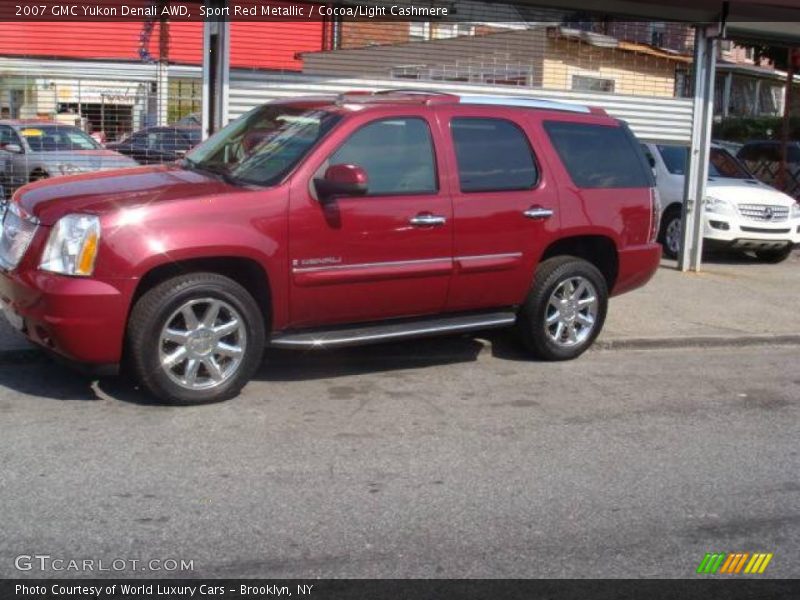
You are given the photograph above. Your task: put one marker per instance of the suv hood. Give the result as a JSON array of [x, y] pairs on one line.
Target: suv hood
[[747, 191], [101, 193]]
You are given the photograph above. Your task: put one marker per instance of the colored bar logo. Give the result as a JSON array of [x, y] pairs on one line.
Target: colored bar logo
[[734, 563]]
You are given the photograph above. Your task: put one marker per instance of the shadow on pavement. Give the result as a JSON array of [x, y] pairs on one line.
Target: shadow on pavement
[[727, 257], [45, 378]]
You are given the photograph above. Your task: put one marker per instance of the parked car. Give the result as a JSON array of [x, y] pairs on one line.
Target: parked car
[[358, 219], [190, 120], [33, 150], [741, 212], [156, 145], [763, 159], [732, 147]]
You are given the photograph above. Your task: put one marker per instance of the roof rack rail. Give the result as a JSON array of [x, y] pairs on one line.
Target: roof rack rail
[[422, 91], [525, 102]]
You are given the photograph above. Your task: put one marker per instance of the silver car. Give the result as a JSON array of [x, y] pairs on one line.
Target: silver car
[[32, 150]]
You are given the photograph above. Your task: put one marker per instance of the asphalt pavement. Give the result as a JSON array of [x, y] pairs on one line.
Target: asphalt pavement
[[454, 457]]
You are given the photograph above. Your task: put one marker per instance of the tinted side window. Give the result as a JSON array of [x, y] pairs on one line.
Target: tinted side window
[[397, 155], [675, 158], [7, 136], [599, 156], [493, 155]]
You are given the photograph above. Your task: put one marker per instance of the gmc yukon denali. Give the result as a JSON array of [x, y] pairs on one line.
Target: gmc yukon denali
[[331, 221]]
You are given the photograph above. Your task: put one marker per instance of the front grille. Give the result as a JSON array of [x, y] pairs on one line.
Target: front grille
[[764, 212], [763, 230]]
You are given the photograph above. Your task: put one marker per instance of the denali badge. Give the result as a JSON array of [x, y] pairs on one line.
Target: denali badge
[[313, 262]]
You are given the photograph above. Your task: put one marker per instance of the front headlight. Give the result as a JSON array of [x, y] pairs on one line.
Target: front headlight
[[719, 206], [795, 213], [69, 169], [16, 234], [72, 246]]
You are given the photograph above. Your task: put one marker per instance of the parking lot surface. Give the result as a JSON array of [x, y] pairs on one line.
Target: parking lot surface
[[455, 457]]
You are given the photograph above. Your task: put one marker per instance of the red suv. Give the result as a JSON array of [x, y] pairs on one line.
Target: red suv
[[324, 222]]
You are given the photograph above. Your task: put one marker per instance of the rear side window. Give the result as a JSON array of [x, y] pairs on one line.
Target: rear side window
[[599, 156], [493, 155]]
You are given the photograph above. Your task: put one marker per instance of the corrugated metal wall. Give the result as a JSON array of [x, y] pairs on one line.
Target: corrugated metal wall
[[651, 118]]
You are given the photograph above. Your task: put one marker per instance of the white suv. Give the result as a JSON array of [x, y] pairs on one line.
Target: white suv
[[741, 212]]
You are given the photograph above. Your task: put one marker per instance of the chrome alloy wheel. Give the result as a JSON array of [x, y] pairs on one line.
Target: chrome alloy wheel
[[202, 344], [571, 312], [672, 236]]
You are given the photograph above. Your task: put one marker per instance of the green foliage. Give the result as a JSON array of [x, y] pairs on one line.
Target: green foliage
[[743, 129]]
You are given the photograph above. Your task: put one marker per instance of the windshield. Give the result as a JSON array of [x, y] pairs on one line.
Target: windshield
[[56, 138], [265, 144], [722, 164]]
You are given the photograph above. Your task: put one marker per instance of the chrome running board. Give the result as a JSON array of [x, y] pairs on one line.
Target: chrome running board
[[374, 333]]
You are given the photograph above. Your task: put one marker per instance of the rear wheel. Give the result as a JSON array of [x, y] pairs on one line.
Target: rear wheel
[[775, 255], [565, 309], [670, 234], [195, 339]]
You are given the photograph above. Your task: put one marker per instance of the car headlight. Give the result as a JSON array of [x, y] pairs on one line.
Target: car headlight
[[719, 206], [69, 169], [72, 246], [795, 213], [16, 233]]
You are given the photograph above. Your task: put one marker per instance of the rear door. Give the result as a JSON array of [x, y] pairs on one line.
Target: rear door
[[505, 205], [383, 255]]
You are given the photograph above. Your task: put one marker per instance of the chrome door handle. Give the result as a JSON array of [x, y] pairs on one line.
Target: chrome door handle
[[427, 220], [539, 213]]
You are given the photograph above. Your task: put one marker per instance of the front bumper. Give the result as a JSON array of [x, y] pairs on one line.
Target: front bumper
[[79, 319], [728, 230]]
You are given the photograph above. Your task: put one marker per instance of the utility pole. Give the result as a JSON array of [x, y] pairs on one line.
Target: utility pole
[[705, 64], [216, 71]]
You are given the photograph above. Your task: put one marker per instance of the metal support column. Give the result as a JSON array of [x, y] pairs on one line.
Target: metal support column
[[705, 62], [216, 71]]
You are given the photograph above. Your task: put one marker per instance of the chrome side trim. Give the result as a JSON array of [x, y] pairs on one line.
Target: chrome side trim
[[395, 263], [329, 339], [490, 256], [403, 263]]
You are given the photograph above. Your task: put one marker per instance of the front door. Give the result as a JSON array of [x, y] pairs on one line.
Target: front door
[[381, 255]]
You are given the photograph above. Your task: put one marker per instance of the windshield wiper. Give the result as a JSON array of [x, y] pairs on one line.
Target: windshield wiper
[[221, 173]]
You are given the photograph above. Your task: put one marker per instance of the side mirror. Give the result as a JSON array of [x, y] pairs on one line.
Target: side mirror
[[181, 153], [652, 161], [13, 148], [341, 180]]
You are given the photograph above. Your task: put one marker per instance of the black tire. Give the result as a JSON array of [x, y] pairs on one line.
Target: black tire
[[673, 213], [149, 316], [531, 319], [774, 256]]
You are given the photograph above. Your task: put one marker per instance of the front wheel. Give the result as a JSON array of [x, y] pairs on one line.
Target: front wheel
[[565, 309], [195, 339], [775, 255]]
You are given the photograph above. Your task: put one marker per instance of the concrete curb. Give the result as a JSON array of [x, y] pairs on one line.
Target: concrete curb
[[34, 355], [704, 341]]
